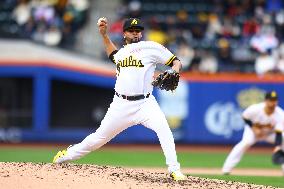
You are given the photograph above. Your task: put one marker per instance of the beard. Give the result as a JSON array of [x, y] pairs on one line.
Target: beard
[[133, 40]]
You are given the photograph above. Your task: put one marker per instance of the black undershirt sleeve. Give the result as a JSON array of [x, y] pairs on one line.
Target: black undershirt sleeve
[[249, 122], [278, 138], [111, 55]]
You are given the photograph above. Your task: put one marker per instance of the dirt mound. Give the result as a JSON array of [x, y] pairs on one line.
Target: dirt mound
[[46, 176]]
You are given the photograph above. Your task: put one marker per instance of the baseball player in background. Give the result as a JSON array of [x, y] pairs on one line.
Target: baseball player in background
[[133, 102], [264, 122]]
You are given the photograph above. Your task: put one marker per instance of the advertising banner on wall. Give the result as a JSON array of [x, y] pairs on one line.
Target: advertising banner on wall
[[63, 105], [215, 110]]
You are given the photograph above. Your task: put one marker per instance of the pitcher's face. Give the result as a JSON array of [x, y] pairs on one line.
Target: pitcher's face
[[132, 35]]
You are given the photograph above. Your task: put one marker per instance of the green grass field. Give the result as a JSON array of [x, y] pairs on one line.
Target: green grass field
[[152, 159]]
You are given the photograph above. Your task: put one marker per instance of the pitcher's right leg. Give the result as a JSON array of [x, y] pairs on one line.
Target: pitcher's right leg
[[113, 123], [92, 142]]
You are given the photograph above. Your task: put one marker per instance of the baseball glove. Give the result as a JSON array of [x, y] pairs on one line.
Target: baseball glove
[[278, 157], [167, 80]]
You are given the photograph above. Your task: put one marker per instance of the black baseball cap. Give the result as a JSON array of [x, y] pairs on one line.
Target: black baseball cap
[[271, 95], [134, 23]]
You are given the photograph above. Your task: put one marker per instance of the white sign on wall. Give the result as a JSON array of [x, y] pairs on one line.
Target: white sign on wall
[[223, 119]]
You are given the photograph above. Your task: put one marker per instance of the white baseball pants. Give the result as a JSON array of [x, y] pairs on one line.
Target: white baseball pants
[[123, 114], [239, 149]]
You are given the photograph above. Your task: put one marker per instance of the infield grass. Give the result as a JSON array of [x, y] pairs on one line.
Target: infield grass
[[267, 181], [136, 158], [143, 158]]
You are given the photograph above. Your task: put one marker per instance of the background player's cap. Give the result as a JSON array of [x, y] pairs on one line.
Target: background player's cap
[[271, 95], [134, 23]]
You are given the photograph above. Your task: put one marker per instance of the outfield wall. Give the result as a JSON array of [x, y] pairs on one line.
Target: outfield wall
[[68, 102]]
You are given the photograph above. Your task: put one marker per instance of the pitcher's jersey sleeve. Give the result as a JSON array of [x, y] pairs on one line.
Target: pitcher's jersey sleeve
[[162, 54], [111, 56]]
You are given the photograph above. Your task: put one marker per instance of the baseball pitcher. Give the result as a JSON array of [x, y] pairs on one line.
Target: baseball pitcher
[[133, 102], [264, 122]]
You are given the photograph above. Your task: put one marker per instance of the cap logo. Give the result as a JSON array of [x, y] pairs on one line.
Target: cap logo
[[134, 22], [273, 94]]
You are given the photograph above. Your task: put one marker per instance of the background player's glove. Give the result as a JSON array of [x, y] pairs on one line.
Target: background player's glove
[[167, 80], [278, 157]]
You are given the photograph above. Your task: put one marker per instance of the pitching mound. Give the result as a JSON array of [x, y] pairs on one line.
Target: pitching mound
[[46, 176]]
